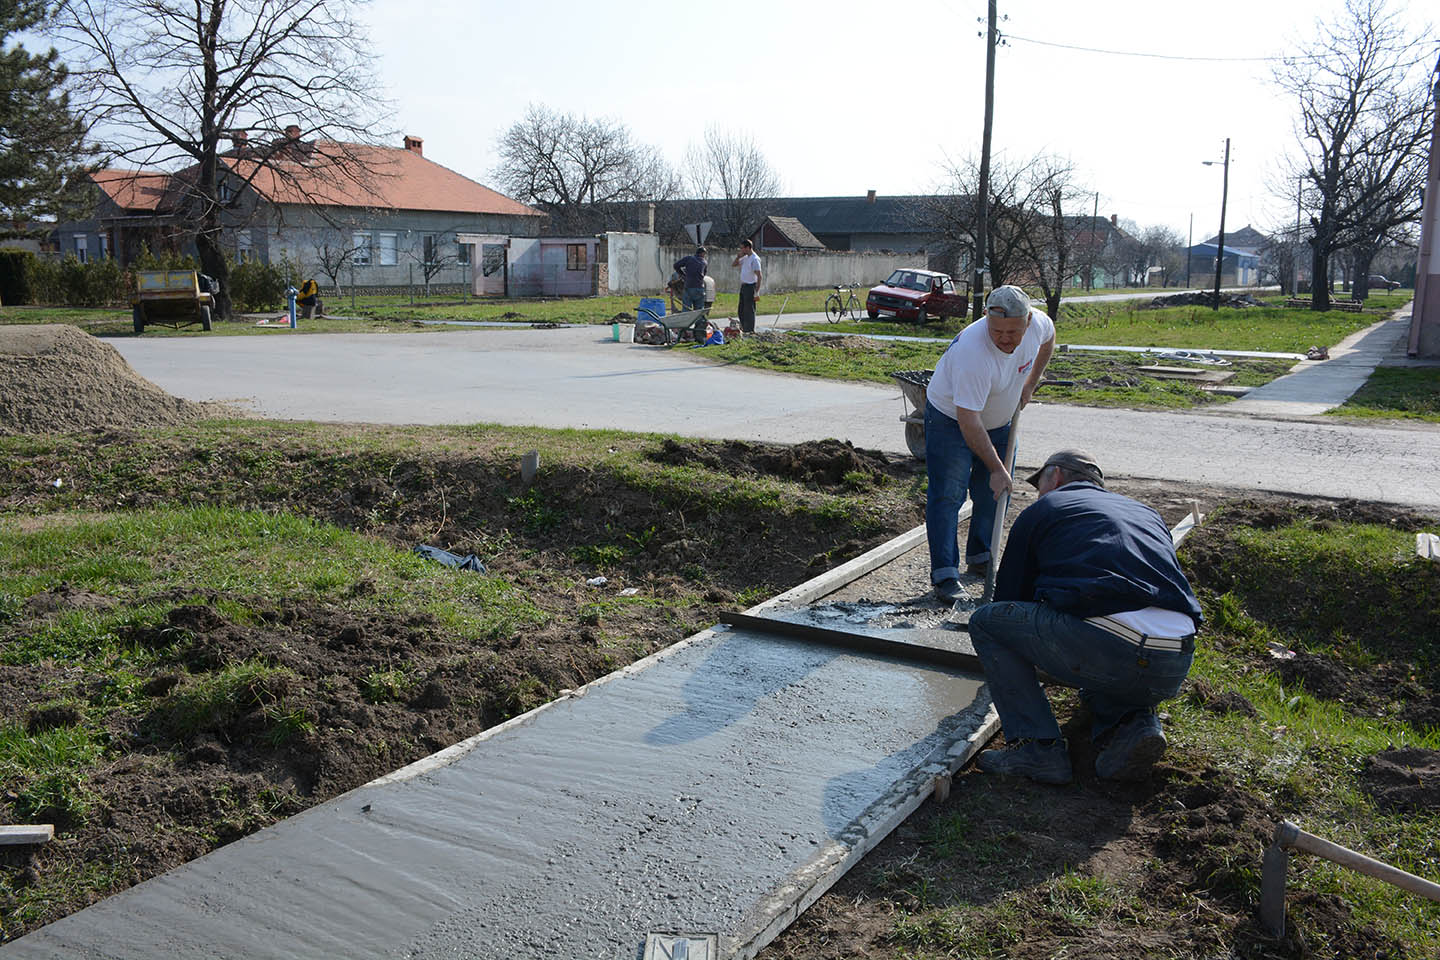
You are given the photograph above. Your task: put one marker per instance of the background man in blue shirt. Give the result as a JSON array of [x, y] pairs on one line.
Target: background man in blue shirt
[[692, 270], [1090, 592]]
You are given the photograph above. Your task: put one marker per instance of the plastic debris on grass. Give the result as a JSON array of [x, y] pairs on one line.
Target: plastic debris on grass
[[467, 562]]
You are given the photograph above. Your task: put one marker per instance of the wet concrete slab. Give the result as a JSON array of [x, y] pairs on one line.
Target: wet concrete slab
[[718, 787]]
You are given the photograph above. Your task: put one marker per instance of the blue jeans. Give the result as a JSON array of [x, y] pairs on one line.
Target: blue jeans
[[1115, 677], [953, 470], [693, 299]]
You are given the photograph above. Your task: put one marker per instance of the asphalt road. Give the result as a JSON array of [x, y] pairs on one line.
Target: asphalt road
[[577, 377]]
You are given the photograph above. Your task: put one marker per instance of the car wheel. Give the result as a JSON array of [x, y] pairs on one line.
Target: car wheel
[[922, 316], [872, 314]]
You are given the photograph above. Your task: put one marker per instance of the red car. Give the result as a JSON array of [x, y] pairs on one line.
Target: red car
[[919, 295]]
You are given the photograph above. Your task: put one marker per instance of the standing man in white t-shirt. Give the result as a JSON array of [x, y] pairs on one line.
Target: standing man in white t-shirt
[[989, 370], [749, 265]]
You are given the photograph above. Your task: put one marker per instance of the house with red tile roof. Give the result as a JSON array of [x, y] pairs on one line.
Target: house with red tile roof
[[358, 214]]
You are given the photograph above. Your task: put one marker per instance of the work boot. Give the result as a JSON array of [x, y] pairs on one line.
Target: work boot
[[949, 590], [1133, 749], [1041, 762]]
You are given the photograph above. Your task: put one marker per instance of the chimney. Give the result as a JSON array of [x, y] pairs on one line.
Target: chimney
[[239, 139], [869, 196], [293, 132], [649, 218], [1114, 220], [415, 145]]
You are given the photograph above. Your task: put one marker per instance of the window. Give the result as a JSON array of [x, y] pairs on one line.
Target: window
[[575, 256], [360, 242], [104, 248], [387, 249], [462, 253], [431, 243], [224, 192], [244, 252], [80, 252]]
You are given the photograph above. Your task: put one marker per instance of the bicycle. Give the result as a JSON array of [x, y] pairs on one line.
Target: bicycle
[[837, 307]]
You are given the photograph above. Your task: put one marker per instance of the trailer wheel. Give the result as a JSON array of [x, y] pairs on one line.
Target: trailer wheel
[[205, 319], [915, 439], [137, 314]]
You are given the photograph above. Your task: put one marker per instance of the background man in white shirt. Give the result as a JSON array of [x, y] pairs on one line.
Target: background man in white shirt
[[749, 265]]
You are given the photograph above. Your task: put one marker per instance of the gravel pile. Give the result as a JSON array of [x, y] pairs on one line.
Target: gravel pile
[[55, 378]]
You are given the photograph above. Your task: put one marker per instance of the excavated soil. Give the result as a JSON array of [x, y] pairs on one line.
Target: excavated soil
[[55, 378], [1187, 841]]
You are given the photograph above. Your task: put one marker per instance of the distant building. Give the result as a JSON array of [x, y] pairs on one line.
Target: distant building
[[377, 219], [784, 233]]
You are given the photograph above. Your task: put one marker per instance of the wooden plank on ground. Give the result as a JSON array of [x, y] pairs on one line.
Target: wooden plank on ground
[[27, 833]]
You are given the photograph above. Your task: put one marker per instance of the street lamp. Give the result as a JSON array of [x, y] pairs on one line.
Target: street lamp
[[1224, 195]]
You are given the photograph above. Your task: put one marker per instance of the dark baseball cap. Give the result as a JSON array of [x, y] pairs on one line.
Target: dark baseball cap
[[1076, 461], [746, 243]]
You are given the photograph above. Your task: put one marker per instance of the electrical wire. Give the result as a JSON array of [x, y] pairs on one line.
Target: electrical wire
[[1153, 56]]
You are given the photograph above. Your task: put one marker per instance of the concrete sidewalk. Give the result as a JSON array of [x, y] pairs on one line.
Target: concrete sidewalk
[[1314, 386]]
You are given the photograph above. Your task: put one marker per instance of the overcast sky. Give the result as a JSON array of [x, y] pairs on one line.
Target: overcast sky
[[850, 95]]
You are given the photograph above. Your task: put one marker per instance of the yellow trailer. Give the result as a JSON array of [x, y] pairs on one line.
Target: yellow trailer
[[174, 298]]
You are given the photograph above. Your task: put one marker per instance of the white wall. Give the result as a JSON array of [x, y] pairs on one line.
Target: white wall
[[640, 265]]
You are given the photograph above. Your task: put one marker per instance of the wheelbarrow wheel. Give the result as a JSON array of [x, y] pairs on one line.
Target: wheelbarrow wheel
[[915, 439], [137, 314], [205, 319]]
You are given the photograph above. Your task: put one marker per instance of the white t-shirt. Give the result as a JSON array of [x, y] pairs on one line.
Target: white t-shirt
[[749, 268], [974, 374]]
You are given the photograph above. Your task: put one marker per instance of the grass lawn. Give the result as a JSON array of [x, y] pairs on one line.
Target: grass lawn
[[1129, 324], [1102, 379], [395, 314], [1397, 393]]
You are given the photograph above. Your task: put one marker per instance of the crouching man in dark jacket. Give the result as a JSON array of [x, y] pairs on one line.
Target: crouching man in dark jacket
[[1090, 592]]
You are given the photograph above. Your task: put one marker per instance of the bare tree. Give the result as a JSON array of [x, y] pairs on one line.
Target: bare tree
[[1162, 247], [427, 254], [166, 81], [1363, 127], [574, 167], [334, 251], [1030, 232], [731, 168]]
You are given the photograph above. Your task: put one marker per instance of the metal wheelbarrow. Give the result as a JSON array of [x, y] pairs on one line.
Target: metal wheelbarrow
[[912, 388]]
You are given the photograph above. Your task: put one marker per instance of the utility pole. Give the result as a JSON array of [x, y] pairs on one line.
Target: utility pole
[[1224, 195], [983, 200], [1094, 222], [1189, 251]]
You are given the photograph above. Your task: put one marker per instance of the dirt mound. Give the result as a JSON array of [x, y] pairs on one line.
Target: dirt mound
[[849, 343], [1404, 780], [1204, 300], [824, 462], [57, 379]]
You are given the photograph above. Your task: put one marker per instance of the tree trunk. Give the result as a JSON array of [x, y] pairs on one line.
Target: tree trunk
[[1319, 277], [1360, 288], [213, 263]]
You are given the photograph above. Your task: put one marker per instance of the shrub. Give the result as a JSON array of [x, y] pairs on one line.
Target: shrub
[[75, 284], [16, 269], [256, 286]]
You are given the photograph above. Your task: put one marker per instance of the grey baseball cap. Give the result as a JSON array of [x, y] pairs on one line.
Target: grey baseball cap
[[1076, 461], [1009, 298]]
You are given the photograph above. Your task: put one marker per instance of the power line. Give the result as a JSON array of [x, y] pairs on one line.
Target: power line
[[1153, 56]]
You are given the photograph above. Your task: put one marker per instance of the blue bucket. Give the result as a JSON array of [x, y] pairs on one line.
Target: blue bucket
[[655, 305]]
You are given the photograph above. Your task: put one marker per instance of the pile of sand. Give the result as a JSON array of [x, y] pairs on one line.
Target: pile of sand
[[56, 379]]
